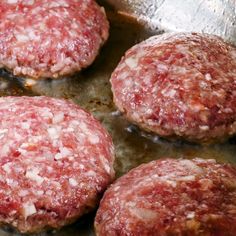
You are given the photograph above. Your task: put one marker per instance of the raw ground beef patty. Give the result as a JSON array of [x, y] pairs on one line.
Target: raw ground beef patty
[[42, 39], [55, 162], [171, 197], [179, 85]]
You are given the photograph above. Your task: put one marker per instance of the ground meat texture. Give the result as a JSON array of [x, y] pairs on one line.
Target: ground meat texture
[[55, 161], [179, 85], [42, 39], [170, 197]]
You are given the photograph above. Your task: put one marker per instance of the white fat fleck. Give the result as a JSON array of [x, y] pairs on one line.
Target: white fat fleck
[[23, 193], [203, 84], [25, 125], [17, 136], [49, 192], [53, 133], [59, 65], [90, 173], [40, 192], [28, 209], [197, 107], [12, 1], [149, 111], [73, 182], [204, 127], [48, 155], [191, 166], [50, 169], [9, 181], [131, 204], [186, 178], [55, 143], [58, 156], [64, 152], [172, 183], [71, 158], [13, 212], [11, 16], [83, 127], [94, 139], [190, 215], [58, 4], [35, 139], [6, 167], [170, 93], [132, 62], [5, 149], [56, 184], [162, 67], [228, 110], [81, 166], [208, 77], [3, 132], [47, 113], [22, 38], [70, 129], [116, 188], [105, 163], [143, 214], [169, 179], [57, 118], [127, 83], [29, 2], [25, 145], [33, 175], [73, 33]]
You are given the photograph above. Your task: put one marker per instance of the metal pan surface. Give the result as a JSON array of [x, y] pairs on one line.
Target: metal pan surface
[[210, 16], [91, 90]]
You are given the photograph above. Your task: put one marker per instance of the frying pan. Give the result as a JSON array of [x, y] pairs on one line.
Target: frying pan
[[132, 21]]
